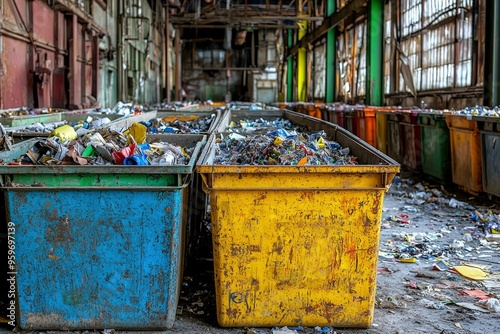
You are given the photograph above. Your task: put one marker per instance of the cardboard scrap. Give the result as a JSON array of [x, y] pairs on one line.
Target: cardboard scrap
[[476, 293]]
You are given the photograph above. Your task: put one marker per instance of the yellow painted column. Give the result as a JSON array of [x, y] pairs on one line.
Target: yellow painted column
[[301, 63]]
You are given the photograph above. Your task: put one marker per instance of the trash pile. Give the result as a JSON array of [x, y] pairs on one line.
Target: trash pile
[[281, 147], [246, 106], [262, 126], [479, 111], [23, 111], [164, 125], [103, 147], [81, 127]]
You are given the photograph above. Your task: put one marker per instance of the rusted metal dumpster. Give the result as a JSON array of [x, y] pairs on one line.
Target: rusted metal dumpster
[[296, 245], [98, 246]]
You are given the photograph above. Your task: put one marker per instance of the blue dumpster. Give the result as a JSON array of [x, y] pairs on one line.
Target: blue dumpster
[[98, 246]]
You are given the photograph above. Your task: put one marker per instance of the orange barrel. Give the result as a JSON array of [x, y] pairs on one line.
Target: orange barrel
[[465, 143]]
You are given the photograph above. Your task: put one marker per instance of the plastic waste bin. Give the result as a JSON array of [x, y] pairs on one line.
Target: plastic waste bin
[[356, 120], [381, 128], [348, 118], [465, 144], [411, 142], [326, 113], [339, 116], [98, 246], [435, 149], [394, 140], [367, 125], [489, 128], [297, 245]]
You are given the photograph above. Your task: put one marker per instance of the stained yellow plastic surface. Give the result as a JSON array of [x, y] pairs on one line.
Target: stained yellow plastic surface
[[296, 245], [64, 133], [138, 132], [302, 63], [381, 119], [465, 144], [471, 272]]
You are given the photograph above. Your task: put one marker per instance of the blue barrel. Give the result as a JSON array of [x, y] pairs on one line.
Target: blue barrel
[[98, 246]]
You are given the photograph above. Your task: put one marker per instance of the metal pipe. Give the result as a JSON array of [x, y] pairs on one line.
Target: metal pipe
[[167, 52], [301, 57], [492, 55], [33, 93], [119, 53], [331, 37], [244, 18], [222, 26], [177, 67], [252, 49], [289, 70], [375, 54]]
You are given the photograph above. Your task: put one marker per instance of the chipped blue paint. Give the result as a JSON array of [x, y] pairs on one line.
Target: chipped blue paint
[[98, 258]]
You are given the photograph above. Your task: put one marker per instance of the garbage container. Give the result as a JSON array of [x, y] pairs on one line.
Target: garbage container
[[489, 128], [326, 113], [465, 144], [356, 120], [381, 120], [349, 118], [28, 131], [98, 246], [339, 116], [367, 125], [411, 139], [297, 245], [394, 140], [436, 156], [11, 121]]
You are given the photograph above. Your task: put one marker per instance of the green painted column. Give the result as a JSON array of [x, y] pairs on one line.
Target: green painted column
[[375, 54], [289, 70], [331, 67], [492, 55]]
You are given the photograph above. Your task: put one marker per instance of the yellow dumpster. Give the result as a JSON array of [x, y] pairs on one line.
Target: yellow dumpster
[[297, 245]]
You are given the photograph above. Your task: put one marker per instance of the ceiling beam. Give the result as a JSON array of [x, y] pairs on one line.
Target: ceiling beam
[[247, 18], [331, 22], [222, 26]]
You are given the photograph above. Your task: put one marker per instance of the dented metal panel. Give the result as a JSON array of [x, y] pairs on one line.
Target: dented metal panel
[[14, 76], [87, 260], [43, 26]]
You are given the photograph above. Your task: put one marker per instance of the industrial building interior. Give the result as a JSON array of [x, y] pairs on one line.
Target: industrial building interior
[[408, 53], [406, 93]]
